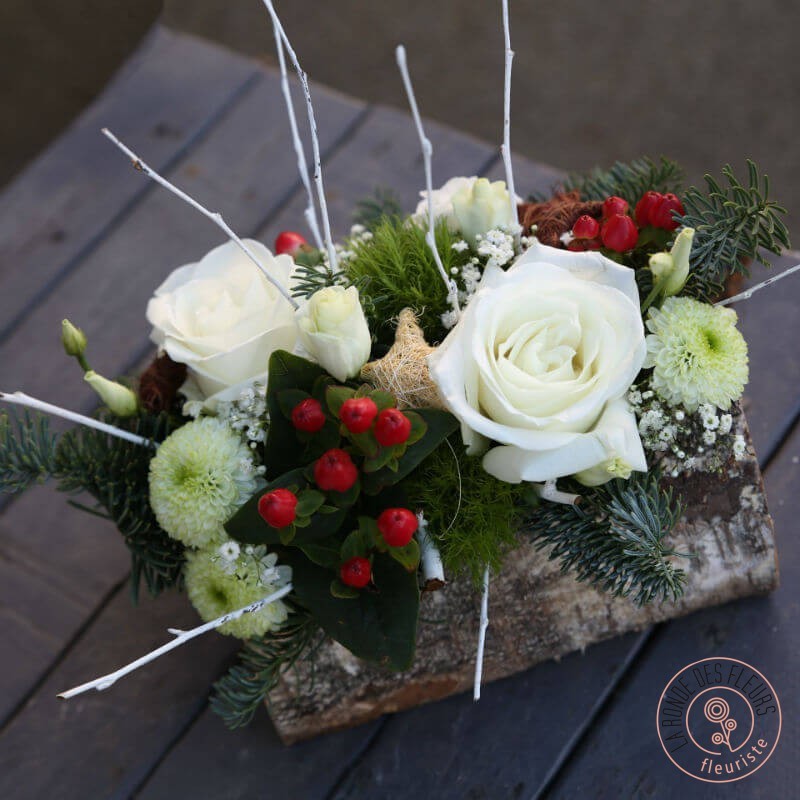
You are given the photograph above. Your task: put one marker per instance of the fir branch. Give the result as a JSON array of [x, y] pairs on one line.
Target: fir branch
[[628, 180], [312, 274], [615, 538], [27, 451], [732, 224], [371, 211], [240, 692]]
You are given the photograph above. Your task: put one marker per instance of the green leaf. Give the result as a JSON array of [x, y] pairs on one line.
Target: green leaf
[[286, 372], [366, 443], [418, 428], [287, 534], [382, 399], [381, 459], [335, 397], [408, 556], [325, 553], [379, 625], [308, 502], [288, 399], [353, 545], [342, 591], [440, 425]]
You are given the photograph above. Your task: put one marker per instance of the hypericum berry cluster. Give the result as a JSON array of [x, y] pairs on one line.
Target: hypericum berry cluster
[[682, 441], [616, 230]]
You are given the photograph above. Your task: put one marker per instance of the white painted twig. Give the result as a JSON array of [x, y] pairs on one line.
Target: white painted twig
[[302, 167], [549, 491], [430, 557], [748, 293], [505, 149], [20, 399], [312, 124], [427, 153], [214, 216], [484, 624], [181, 637]]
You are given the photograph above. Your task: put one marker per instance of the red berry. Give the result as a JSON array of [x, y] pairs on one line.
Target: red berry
[[356, 572], [661, 214], [357, 414], [308, 415], [614, 205], [619, 233], [393, 427], [585, 227], [278, 507], [397, 526], [334, 471], [289, 242], [645, 206]]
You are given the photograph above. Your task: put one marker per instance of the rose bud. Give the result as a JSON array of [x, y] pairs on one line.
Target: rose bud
[[119, 399], [357, 414], [334, 471], [289, 243], [586, 227], [645, 206], [73, 339], [614, 205], [619, 233], [392, 427], [308, 415], [278, 508], [397, 526], [661, 215]]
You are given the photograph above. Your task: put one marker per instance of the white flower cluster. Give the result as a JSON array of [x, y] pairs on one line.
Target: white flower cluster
[[251, 563], [248, 415], [685, 441], [496, 246], [358, 235]]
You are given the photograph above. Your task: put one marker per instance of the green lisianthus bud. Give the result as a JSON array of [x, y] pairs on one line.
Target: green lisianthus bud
[[73, 339], [119, 399], [671, 270]]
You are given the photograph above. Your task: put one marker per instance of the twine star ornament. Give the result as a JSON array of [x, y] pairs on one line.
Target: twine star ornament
[[403, 371]]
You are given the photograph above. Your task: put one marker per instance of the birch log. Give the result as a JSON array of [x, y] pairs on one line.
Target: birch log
[[539, 614]]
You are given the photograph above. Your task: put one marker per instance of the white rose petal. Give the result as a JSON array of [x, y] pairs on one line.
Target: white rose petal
[[540, 363], [334, 331], [223, 319]]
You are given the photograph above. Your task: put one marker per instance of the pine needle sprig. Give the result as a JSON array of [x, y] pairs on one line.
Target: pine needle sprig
[[312, 273], [27, 451], [732, 224], [628, 180], [384, 203], [113, 471], [615, 538], [242, 690]]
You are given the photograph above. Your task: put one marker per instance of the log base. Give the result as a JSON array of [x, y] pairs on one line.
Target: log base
[[536, 613]]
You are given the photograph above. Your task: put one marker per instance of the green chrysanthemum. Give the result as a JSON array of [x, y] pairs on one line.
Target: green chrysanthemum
[[201, 474], [697, 353], [217, 586]]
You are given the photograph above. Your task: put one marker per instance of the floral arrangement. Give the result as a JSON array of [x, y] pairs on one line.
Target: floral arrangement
[[330, 428]]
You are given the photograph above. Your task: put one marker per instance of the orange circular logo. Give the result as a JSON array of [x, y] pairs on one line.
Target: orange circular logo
[[719, 720]]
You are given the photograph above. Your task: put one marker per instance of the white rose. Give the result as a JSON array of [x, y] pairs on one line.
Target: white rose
[[470, 205], [334, 331], [222, 318], [540, 363]]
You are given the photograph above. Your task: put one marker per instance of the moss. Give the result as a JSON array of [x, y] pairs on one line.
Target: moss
[[395, 269], [489, 516]]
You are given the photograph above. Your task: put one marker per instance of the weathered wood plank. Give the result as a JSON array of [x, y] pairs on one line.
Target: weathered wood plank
[[622, 754], [161, 101], [240, 172]]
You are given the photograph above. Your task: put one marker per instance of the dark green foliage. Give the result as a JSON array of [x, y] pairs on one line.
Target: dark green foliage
[[239, 693], [395, 270], [27, 451], [614, 538], [628, 180], [475, 530], [732, 224], [113, 471], [371, 210], [313, 274], [379, 625]]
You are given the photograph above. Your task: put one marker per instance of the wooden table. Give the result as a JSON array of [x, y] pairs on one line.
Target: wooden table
[[84, 237]]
